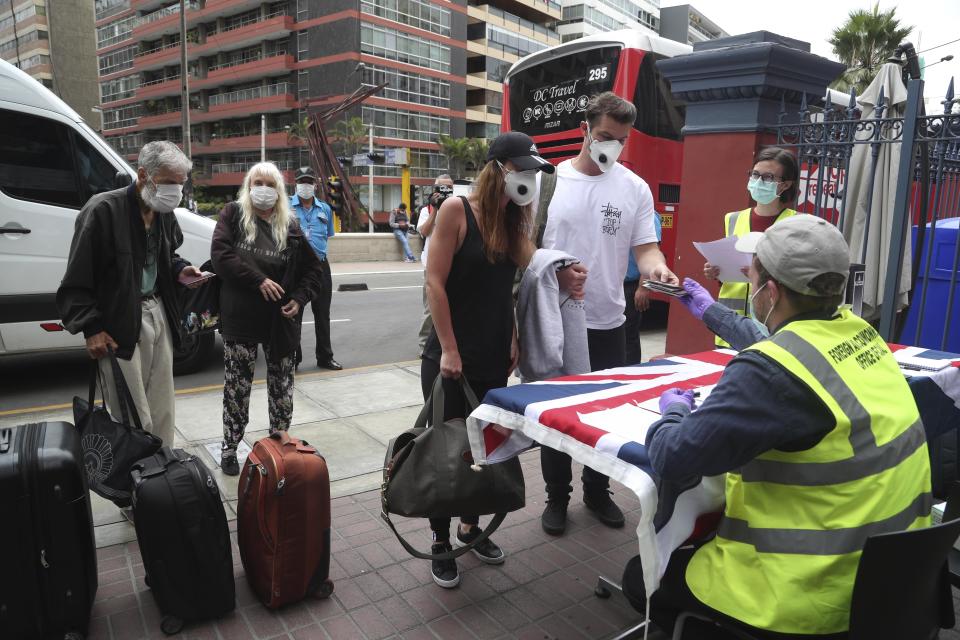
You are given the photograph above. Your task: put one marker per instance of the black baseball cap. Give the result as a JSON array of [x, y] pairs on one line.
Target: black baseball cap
[[305, 172], [519, 149]]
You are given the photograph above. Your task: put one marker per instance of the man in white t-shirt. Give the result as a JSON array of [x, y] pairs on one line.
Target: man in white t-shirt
[[442, 189], [598, 212]]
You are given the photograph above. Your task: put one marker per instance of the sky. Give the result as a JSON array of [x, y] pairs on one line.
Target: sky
[[934, 22]]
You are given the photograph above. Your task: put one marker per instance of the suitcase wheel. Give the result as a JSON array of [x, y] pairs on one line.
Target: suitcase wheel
[[325, 590], [146, 580], [171, 625]]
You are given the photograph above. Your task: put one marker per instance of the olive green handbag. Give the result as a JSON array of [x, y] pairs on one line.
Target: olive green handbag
[[429, 473]]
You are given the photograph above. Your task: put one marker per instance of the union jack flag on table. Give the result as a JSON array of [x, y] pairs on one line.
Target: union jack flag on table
[[601, 419]]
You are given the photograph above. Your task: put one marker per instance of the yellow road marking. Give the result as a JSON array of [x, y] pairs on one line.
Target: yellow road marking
[[214, 387]]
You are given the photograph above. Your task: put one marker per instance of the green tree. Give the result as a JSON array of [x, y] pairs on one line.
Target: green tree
[[864, 43], [465, 156], [477, 155], [297, 132], [349, 136]]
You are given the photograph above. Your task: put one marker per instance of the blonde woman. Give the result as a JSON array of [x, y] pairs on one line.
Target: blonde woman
[[268, 272]]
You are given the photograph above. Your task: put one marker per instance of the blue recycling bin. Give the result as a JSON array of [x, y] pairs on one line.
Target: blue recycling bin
[[938, 289]]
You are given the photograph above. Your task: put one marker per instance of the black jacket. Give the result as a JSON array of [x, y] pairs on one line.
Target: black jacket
[[240, 282], [100, 290]]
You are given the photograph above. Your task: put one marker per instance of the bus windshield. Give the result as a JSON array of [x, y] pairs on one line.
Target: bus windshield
[[552, 95]]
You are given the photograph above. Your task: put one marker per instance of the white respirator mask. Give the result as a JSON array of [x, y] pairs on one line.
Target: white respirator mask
[[305, 190], [604, 153], [161, 198], [263, 197], [521, 186]]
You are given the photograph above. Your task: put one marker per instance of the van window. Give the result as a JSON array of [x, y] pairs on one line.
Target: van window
[[46, 161]]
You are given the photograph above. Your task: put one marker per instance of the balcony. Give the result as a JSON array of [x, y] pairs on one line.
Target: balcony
[[159, 120], [146, 5], [245, 70], [159, 88], [162, 22], [245, 141], [245, 35], [273, 98], [232, 173], [157, 58]]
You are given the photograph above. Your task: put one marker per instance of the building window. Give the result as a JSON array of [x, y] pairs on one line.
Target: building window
[[394, 45], [512, 43], [121, 117], [405, 125], [115, 32], [416, 13], [107, 8], [34, 61], [117, 60], [303, 45], [409, 87], [22, 42], [119, 89], [21, 15]]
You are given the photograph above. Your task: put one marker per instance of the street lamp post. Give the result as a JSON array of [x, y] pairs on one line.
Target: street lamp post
[[263, 137], [185, 94], [370, 185]]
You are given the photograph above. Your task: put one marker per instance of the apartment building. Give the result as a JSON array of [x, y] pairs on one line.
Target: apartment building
[[685, 24], [500, 32], [54, 43], [586, 17], [250, 58]]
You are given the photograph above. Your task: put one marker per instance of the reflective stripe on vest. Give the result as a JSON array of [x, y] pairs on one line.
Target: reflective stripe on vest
[[786, 552], [734, 295]]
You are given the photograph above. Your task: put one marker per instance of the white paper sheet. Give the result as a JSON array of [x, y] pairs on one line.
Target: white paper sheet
[[723, 254]]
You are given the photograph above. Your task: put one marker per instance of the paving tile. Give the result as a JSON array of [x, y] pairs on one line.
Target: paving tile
[[342, 628], [500, 609], [105, 578], [423, 603], [374, 586], [449, 628], [483, 626], [374, 624], [475, 588], [532, 632], [588, 623], [420, 633], [312, 632], [353, 563], [324, 608], [234, 626], [558, 628], [264, 622], [99, 629], [399, 578], [529, 603], [495, 578], [450, 599], [117, 588], [349, 595], [127, 624], [400, 614], [296, 616], [115, 605], [375, 555], [350, 395], [383, 426]]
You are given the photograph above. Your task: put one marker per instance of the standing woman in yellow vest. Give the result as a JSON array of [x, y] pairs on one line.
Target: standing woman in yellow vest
[[772, 184]]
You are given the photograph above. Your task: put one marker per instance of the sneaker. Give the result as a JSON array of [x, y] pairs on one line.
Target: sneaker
[[605, 509], [554, 518], [487, 551], [445, 572], [229, 464]]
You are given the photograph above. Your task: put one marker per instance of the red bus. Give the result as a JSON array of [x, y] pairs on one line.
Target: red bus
[[546, 93]]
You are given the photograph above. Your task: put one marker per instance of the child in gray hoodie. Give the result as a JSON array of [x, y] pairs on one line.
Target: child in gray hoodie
[[552, 326]]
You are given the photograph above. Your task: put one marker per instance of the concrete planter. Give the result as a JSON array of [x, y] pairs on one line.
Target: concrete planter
[[369, 247]]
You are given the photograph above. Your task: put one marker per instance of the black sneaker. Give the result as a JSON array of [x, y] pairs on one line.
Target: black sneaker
[[445, 572], [229, 464], [487, 551], [554, 518], [605, 509]]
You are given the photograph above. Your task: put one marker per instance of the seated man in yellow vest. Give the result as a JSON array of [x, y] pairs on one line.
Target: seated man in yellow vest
[[821, 441]]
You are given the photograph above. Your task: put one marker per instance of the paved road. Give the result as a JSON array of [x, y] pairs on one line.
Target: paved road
[[368, 327]]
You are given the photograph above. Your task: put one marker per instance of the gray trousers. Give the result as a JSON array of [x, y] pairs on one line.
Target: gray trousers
[[149, 374]]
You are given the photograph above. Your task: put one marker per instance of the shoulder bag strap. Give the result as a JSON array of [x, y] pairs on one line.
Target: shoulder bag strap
[[548, 184], [449, 555], [124, 397]]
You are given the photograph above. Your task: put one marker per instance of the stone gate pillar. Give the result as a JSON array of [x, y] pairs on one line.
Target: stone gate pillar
[[733, 89]]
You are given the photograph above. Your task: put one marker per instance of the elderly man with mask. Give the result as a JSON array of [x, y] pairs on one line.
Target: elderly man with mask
[[820, 440], [119, 286]]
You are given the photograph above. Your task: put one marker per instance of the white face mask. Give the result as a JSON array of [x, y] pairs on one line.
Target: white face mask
[[263, 197], [606, 153], [521, 186], [752, 310], [161, 198], [305, 190]]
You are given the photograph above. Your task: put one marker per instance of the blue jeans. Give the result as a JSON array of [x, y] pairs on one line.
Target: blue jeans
[[401, 235]]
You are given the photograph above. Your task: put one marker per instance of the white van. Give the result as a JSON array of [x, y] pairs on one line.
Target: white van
[[51, 162]]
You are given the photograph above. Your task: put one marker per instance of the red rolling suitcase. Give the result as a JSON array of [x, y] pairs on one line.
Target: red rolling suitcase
[[283, 521], [48, 575]]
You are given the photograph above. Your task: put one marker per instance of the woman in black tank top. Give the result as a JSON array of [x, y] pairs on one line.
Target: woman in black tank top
[[476, 247]]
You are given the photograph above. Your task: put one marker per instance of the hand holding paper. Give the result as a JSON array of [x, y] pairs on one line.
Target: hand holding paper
[[724, 255]]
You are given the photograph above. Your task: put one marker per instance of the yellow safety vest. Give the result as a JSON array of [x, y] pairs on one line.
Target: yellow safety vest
[[786, 552], [735, 295]]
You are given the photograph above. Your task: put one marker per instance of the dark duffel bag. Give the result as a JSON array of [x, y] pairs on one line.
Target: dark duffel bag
[[200, 306], [183, 537], [111, 447], [429, 473], [48, 574]]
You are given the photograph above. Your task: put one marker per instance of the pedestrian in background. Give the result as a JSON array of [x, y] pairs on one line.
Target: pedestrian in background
[[476, 246], [400, 222], [316, 223], [118, 288], [442, 188], [268, 273]]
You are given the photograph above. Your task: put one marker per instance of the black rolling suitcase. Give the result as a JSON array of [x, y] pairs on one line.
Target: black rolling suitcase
[[183, 537], [48, 571]]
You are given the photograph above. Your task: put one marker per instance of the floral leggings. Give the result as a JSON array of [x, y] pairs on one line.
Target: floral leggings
[[239, 359]]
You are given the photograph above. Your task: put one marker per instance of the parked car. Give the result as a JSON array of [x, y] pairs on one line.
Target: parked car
[[51, 163]]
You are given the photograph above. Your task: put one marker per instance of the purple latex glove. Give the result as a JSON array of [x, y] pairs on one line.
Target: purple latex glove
[[674, 395], [698, 300]]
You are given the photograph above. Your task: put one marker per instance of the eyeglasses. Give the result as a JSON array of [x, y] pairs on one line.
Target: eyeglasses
[[765, 178]]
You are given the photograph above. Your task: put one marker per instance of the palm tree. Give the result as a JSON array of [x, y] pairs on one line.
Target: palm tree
[[864, 43], [297, 132], [350, 136], [457, 152], [477, 156]]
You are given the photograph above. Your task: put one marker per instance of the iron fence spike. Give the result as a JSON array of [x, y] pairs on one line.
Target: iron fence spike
[[829, 102], [853, 99], [803, 103]]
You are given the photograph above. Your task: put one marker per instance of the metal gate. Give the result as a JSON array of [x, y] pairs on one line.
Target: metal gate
[[924, 186]]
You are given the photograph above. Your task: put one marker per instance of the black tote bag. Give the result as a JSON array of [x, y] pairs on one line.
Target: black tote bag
[[110, 448]]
